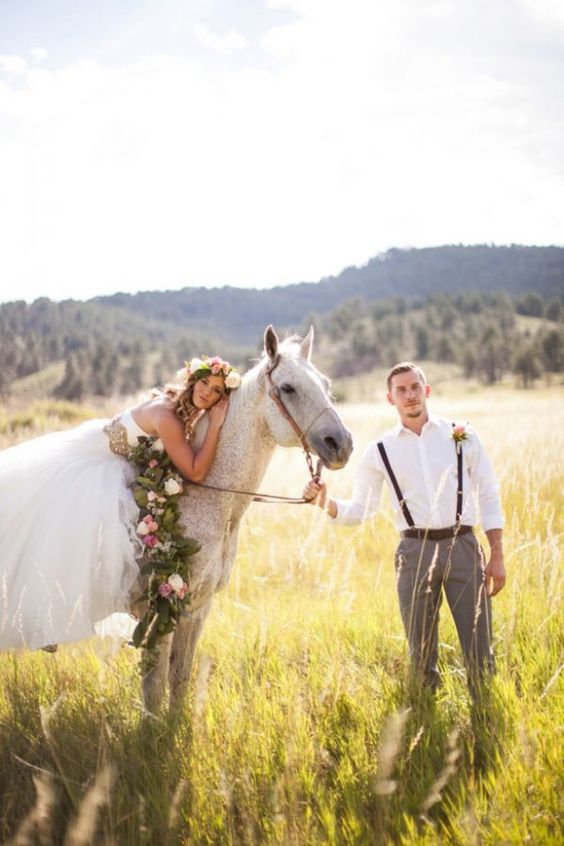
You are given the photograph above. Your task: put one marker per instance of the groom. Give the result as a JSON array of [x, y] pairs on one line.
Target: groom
[[435, 471]]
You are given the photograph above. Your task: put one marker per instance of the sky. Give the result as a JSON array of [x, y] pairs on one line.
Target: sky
[[157, 144]]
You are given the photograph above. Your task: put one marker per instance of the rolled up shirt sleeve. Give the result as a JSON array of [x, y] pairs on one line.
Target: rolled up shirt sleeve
[[485, 487], [367, 492]]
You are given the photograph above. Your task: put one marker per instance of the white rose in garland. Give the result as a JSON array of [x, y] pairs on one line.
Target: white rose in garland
[[176, 581], [172, 487]]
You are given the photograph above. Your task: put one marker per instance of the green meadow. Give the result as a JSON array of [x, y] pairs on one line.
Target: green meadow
[[300, 726]]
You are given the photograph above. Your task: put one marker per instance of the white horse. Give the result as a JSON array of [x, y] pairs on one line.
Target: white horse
[[253, 427]]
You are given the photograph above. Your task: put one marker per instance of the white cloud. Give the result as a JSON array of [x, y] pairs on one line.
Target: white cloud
[[549, 12], [38, 54], [361, 127], [231, 42], [14, 65]]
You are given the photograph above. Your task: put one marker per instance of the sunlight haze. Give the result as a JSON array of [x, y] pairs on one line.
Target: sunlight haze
[[154, 145]]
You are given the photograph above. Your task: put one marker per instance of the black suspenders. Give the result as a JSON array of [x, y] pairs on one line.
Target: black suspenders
[[459, 486], [402, 503], [396, 487]]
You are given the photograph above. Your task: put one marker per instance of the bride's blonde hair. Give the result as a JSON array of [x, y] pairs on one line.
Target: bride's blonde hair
[[181, 395]]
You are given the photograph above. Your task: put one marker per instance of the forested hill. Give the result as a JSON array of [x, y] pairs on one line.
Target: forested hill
[[491, 310], [241, 314]]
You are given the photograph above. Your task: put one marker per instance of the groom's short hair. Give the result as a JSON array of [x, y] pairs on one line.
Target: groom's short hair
[[405, 367]]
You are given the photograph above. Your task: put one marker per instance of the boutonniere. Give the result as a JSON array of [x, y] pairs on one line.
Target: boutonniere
[[459, 434]]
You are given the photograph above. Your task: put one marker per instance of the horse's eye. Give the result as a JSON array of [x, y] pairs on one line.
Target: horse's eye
[[287, 389]]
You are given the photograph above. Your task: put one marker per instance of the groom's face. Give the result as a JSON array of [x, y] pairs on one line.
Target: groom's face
[[408, 393]]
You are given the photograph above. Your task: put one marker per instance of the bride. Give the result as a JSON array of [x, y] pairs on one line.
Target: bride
[[70, 548]]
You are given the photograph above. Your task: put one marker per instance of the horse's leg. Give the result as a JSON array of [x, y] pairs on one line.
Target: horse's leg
[[154, 681], [184, 643]]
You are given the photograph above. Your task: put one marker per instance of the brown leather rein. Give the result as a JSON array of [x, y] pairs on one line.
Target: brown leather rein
[[315, 474]]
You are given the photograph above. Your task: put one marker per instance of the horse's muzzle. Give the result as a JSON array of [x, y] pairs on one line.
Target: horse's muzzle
[[333, 446]]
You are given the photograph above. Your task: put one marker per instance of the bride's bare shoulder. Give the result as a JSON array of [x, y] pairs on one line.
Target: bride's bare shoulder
[[154, 411], [161, 402]]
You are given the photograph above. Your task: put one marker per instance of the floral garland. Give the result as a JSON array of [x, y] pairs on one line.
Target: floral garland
[[167, 551]]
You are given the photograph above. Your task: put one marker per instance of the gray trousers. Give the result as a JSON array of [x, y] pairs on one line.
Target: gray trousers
[[424, 569]]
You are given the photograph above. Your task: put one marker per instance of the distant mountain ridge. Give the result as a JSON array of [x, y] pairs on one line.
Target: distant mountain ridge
[[240, 314], [454, 304]]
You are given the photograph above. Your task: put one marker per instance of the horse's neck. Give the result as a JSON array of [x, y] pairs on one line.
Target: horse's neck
[[245, 446]]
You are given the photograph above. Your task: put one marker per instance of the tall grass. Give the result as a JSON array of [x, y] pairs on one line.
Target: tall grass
[[300, 726]]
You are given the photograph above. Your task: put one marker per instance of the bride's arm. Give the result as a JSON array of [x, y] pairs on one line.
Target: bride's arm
[[192, 464]]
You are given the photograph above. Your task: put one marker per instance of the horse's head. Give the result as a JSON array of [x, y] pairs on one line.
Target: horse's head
[[304, 393]]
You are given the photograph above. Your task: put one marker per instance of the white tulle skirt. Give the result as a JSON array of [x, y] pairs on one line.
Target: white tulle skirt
[[68, 549]]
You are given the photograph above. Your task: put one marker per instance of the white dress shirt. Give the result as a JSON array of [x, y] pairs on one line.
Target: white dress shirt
[[425, 467]]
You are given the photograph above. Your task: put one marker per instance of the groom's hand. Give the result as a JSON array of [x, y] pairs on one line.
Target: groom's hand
[[315, 493]]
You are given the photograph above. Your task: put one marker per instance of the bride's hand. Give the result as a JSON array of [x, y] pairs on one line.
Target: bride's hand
[[218, 412]]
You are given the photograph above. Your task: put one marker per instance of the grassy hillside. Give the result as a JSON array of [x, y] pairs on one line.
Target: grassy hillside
[[299, 728]]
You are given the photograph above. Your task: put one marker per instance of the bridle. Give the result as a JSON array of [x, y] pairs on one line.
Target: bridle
[[274, 394]]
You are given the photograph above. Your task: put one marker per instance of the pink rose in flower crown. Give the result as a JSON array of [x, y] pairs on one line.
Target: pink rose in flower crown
[[153, 463], [182, 592], [164, 589], [215, 364], [150, 540]]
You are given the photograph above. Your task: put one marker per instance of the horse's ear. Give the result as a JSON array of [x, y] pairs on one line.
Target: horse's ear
[[270, 342], [307, 345]]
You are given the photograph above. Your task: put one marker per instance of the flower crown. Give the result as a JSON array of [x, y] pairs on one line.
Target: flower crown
[[197, 368]]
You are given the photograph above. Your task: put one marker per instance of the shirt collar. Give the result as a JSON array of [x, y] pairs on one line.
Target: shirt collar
[[434, 420], [399, 428]]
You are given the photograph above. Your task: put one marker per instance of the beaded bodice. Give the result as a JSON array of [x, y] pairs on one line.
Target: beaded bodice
[[123, 433]]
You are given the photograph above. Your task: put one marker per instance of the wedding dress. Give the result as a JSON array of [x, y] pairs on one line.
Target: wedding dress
[[68, 545]]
